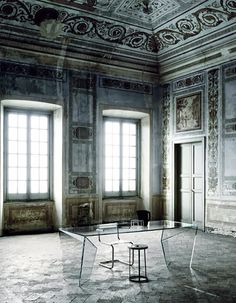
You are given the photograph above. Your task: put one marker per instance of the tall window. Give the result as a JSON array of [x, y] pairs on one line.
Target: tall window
[[121, 157], [27, 155]]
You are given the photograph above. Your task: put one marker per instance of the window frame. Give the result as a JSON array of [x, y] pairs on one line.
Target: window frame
[[28, 197], [121, 193]]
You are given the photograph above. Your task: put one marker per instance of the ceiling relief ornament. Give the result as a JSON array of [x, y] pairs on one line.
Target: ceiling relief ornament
[[81, 25], [197, 22], [114, 29]]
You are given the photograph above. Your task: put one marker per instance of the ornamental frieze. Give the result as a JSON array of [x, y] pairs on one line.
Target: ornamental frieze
[[138, 87], [189, 82], [32, 71]]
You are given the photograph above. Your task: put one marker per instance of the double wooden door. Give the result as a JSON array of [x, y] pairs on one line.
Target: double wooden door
[[189, 183]]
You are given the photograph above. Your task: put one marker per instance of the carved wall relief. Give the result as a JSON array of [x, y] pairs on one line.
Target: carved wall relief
[[82, 155], [213, 131], [229, 134], [166, 137], [22, 217], [188, 112]]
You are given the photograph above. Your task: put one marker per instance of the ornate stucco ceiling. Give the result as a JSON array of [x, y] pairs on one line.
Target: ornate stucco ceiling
[[121, 30]]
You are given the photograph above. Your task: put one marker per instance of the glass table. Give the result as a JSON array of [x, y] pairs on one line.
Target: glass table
[[171, 231]]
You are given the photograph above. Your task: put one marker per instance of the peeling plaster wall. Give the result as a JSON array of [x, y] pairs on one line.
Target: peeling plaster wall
[[218, 126]]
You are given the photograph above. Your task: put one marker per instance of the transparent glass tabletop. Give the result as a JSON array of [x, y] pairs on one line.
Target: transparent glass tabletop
[[81, 237]]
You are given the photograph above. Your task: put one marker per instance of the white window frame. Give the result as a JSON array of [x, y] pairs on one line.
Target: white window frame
[[28, 196], [121, 193]]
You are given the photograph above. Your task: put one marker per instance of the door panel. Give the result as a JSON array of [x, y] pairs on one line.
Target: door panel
[[189, 183]]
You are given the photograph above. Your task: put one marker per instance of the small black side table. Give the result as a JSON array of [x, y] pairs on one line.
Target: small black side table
[[141, 274]]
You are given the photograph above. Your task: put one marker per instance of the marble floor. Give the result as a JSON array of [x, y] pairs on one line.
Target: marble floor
[[43, 268]]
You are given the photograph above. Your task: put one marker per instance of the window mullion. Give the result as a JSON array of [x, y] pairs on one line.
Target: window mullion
[[28, 156], [121, 157]]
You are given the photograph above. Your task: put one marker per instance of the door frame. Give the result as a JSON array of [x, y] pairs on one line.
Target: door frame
[[175, 144]]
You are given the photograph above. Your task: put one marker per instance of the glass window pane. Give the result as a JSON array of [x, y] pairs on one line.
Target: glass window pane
[[35, 148], [22, 174], [22, 187], [108, 162], [125, 185], [108, 126], [22, 147], [12, 187], [12, 160], [126, 140], [43, 174], [18, 152], [43, 148], [12, 173], [116, 162], [108, 185], [22, 121], [43, 187], [126, 162], [125, 128], [12, 120], [132, 152], [34, 161], [116, 174], [34, 135], [132, 140], [126, 151], [108, 151], [34, 122], [132, 174], [115, 185], [128, 146], [22, 134], [132, 163], [108, 173], [115, 140], [43, 135], [132, 129], [115, 127], [22, 161], [12, 133], [34, 187], [125, 173], [43, 161], [43, 123], [132, 185], [116, 151], [12, 147], [108, 139], [34, 174]]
